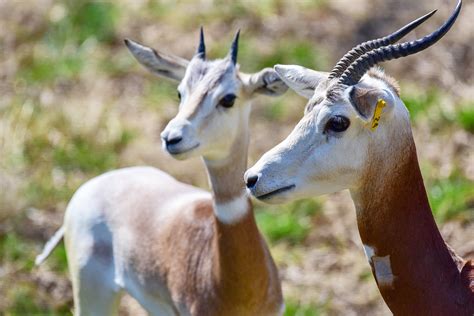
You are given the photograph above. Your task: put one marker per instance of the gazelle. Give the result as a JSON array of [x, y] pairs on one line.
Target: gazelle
[[175, 248], [356, 135]]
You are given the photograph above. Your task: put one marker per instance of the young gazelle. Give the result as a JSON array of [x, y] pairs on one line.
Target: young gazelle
[[175, 248], [356, 135]]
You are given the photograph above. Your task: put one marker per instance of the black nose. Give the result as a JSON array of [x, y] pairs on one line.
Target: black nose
[[251, 181], [173, 141]]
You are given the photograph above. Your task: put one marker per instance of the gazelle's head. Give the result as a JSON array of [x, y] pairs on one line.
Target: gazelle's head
[[210, 117], [353, 121]]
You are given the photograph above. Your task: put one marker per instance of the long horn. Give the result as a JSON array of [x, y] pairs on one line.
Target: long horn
[[234, 48], [363, 48], [358, 68], [201, 51]]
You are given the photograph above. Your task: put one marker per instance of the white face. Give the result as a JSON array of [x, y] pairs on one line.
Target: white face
[[329, 148], [208, 118]]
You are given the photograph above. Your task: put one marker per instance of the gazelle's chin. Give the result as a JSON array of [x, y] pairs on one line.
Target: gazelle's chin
[[183, 154], [276, 196]]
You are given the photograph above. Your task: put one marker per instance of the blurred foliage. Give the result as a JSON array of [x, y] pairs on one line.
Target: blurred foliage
[[53, 140], [290, 222], [452, 197], [420, 101], [17, 251], [465, 116], [294, 308]]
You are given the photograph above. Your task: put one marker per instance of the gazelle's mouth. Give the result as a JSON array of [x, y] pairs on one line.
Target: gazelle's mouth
[[177, 152], [275, 192]]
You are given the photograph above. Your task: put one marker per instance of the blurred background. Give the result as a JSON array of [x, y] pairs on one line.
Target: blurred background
[[74, 104]]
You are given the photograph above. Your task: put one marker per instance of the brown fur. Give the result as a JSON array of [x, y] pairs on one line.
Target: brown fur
[[395, 219], [364, 100], [378, 73]]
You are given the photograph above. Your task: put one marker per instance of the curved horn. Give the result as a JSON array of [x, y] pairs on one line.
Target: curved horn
[[234, 47], [363, 48], [201, 51], [358, 68]]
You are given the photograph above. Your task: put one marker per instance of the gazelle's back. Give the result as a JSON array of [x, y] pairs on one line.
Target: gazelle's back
[[123, 227]]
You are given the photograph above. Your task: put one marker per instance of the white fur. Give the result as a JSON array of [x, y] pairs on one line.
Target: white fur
[[381, 265], [300, 79], [282, 309], [369, 252], [233, 211], [318, 162], [383, 271]]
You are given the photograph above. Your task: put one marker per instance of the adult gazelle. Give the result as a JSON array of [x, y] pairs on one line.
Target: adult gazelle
[[356, 135]]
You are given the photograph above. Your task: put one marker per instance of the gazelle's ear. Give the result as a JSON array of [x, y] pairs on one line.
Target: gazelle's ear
[[265, 82], [163, 65], [300, 79], [366, 99]]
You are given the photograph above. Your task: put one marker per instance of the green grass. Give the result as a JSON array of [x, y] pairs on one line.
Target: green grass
[[14, 249], [58, 259], [420, 102], [451, 198], [17, 252], [290, 222], [465, 116], [50, 149], [158, 92], [52, 66], [294, 308], [61, 54], [83, 20], [25, 301]]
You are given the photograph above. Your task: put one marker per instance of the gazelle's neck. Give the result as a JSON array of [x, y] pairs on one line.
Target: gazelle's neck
[[226, 178], [411, 263], [243, 270]]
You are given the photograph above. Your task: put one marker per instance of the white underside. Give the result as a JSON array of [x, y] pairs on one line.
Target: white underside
[[381, 266]]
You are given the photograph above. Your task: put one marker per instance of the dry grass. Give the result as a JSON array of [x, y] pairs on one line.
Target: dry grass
[[75, 104]]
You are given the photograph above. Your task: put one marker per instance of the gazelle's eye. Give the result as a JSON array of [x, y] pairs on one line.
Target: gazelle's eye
[[227, 101], [179, 96], [337, 124]]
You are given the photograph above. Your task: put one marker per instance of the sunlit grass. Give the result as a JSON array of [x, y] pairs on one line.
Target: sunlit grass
[[452, 197], [15, 249], [295, 308], [290, 222], [25, 301], [465, 116], [49, 151], [419, 102]]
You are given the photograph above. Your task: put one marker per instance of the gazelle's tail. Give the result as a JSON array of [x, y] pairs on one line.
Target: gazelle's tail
[[50, 245]]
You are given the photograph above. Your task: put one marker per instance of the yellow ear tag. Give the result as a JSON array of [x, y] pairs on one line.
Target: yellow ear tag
[[377, 113]]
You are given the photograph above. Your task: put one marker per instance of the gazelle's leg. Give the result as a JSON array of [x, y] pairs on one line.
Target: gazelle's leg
[[155, 306], [92, 269], [95, 292]]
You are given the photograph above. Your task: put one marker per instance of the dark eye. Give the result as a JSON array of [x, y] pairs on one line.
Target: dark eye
[[337, 124], [227, 101], [179, 96]]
